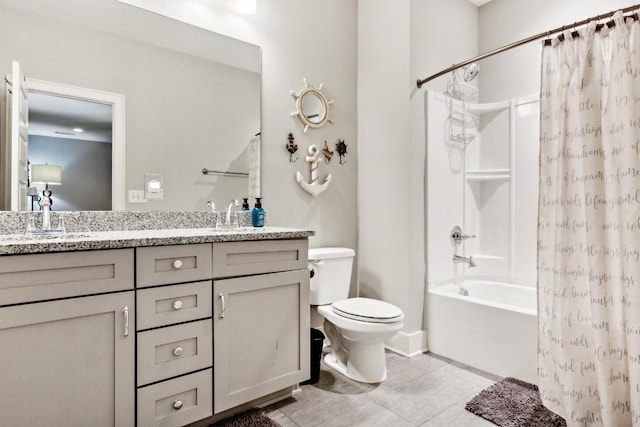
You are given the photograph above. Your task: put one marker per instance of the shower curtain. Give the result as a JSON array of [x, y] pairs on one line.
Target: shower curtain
[[589, 227]]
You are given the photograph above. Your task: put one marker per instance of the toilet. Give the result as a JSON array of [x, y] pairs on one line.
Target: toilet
[[356, 327]]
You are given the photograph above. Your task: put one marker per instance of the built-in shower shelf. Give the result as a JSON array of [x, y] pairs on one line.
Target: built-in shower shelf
[[488, 175]]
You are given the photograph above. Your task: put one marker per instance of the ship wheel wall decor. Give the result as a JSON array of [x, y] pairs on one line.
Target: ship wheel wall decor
[[312, 106]]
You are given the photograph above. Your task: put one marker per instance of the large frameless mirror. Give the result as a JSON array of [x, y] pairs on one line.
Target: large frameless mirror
[[192, 101]]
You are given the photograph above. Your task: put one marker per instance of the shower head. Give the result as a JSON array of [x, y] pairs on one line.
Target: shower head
[[470, 71]]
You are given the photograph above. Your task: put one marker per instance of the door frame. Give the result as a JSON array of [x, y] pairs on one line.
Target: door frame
[[117, 102]]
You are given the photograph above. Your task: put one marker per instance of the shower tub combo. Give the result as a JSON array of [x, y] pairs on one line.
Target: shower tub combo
[[493, 328], [481, 181]]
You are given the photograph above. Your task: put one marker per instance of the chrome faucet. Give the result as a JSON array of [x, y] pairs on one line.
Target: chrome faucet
[[212, 206], [457, 236], [230, 206], [45, 205], [459, 259]]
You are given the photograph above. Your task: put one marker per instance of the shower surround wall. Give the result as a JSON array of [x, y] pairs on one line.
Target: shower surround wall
[[486, 187]]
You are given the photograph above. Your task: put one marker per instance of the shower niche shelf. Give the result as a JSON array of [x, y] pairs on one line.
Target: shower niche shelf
[[488, 175]]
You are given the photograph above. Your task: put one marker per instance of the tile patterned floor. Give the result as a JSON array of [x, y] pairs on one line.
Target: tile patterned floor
[[424, 390]]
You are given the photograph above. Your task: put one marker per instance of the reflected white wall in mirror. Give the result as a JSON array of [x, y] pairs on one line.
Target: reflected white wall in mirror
[[192, 96]]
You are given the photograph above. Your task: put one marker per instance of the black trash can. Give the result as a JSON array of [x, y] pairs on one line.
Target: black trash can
[[315, 355]]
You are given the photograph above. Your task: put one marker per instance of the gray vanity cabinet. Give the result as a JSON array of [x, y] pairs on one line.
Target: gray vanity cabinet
[[86, 339], [260, 321], [175, 341], [67, 361]]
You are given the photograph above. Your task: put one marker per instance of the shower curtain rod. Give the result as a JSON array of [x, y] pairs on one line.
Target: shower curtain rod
[[525, 41]]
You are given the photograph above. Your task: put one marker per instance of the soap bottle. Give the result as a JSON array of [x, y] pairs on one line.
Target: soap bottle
[[257, 214], [245, 203]]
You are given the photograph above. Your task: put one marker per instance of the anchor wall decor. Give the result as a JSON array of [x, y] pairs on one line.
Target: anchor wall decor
[[314, 188]]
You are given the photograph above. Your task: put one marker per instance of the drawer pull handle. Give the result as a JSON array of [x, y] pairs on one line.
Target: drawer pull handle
[[222, 306], [177, 404], [125, 313], [177, 264], [177, 305], [177, 351]]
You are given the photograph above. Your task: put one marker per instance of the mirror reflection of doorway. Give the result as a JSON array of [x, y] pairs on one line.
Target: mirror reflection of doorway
[[77, 136]]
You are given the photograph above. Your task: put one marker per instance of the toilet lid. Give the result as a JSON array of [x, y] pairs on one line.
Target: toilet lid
[[368, 310]]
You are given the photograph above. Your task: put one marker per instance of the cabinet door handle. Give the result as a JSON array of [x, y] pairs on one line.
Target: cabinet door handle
[[177, 404], [177, 264], [177, 305], [222, 306], [177, 352], [125, 312]]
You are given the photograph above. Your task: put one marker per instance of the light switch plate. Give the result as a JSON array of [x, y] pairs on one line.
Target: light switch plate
[[137, 196]]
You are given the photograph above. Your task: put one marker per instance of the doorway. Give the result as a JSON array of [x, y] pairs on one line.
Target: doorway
[[81, 130]]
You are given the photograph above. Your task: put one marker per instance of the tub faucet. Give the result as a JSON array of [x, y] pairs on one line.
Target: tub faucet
[[469, 260]]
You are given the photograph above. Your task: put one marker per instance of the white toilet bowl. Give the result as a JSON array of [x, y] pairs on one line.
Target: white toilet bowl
[[357, 329]]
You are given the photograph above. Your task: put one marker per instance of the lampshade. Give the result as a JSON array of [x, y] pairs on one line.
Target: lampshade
[[46, 174], [246, 6]]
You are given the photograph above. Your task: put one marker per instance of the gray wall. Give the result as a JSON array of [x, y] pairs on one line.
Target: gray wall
[[182, 113], [517, 72], [86, 171], [400, 42], [300, 39]]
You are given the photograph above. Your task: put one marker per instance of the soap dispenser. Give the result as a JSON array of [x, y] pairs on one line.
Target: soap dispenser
[[245, 203], [257, 214]]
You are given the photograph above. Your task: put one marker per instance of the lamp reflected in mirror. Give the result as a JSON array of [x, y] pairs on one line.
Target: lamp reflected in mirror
[[46, 175]]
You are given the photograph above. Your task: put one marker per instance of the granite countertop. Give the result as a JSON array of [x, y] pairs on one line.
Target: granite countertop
[[13, 244]]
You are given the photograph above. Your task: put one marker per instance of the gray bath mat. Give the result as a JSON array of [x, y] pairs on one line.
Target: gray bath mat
[[513, 403], [253, 417]]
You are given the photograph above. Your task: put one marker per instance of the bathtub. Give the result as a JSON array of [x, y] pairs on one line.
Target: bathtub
[[494, 328]]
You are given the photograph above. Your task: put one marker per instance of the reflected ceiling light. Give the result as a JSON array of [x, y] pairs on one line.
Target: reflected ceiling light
[[247, 7], [79, 130]]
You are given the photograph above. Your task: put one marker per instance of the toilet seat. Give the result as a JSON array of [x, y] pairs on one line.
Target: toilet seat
[[367, 310]]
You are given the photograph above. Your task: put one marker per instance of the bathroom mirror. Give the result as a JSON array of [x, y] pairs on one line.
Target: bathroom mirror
[[192, 96], [312, 106]]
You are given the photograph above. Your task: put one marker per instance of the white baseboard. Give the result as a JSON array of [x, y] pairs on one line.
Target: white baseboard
[[408, 344]]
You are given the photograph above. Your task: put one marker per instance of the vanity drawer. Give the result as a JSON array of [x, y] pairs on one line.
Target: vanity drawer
[[167, 305], [174, 350], [264, 256], [39, 277], [162, 265], [176, 402]]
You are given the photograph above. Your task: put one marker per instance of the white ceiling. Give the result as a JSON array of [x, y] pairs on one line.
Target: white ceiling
[[56, 116]]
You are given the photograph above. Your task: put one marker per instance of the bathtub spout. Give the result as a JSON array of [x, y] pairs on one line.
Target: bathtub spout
[[469, 260]]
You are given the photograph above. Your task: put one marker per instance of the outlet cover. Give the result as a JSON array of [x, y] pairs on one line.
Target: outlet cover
[[153, 186]]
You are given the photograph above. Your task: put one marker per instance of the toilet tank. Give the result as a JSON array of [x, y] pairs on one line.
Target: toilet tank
[[331, 274]]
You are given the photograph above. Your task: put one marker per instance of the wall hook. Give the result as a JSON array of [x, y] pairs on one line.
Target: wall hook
[[313, 188], [292, 147], [341, 148], [327, 153]]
